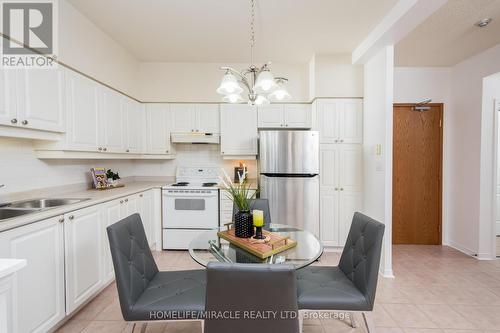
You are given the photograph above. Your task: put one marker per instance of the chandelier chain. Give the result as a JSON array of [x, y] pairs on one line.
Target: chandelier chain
[[252, 30]]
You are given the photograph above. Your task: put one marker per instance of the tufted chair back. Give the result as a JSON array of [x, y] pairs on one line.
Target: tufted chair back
[[132, 259], [360, 258]]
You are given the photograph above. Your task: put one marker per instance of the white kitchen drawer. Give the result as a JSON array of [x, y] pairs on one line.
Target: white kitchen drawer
[[179, 239], [226, 205]]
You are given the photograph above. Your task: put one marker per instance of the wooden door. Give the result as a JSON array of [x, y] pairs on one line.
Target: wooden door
[[417, 174]]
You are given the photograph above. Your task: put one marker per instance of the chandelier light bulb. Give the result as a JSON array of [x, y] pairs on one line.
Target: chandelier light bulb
[[232, 98], [265, 82], [261, 100], [229, 85], [280, 94]]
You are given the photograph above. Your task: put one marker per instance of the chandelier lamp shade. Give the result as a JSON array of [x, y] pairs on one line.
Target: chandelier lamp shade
[[259, 83]]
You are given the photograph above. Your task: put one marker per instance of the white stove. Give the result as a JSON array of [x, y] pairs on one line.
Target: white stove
[[190, 206]]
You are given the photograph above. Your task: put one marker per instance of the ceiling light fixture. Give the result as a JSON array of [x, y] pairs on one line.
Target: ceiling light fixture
[[484, 22], [261, 84]]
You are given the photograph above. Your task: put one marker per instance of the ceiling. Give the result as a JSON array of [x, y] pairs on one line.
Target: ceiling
[[449, 35], [218, 30]]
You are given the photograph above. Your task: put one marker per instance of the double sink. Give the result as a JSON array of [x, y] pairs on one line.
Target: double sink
[[19, 208]]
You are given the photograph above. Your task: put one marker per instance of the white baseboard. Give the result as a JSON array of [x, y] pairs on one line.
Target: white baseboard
[[388, 274], [461, 248]]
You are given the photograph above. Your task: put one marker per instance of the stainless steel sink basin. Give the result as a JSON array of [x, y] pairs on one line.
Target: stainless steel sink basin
[[6, 213], [44, 203]]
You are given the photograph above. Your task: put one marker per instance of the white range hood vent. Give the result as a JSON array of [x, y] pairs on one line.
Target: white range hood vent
[[213, 138]]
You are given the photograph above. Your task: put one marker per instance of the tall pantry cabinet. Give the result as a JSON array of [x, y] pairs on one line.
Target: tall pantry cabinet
[[340, 126]]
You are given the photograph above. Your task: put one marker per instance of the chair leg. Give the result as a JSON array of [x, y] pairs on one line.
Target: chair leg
[[144, 327], [352, 317], [370, 326]]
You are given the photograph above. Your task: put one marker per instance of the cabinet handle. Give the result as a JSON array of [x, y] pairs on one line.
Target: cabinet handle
[[336, 141], [24, 122], [197, 130], [286, 125], [341, 140], [222, 152], [104, 149], [61, 220], [121, 201], [100, 148], [126, 200], [336, 189], [14, 121], [192, 130], [166, 151], [71, 217], [128, 150], [341, 188], [141, 195]]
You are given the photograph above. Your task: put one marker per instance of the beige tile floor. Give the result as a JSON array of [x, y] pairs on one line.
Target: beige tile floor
[[436, 290]]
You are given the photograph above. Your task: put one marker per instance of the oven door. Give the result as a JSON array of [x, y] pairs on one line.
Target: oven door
[[190, 209]]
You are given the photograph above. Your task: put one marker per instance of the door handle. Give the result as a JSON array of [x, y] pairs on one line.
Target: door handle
[[13, 120], [341, 140], [24, 122], [341, 188], [126, 200], [61, 220], [104, 149], [71, 217]]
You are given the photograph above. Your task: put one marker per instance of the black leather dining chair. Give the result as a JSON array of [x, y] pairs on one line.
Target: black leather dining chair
[[260, 204], [145, 293], [350, 286], [247, 291]]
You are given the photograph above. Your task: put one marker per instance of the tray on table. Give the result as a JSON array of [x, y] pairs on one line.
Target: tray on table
[[276, 243]]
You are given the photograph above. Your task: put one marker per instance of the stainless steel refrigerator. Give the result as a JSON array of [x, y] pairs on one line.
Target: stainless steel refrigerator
[[289, 177]]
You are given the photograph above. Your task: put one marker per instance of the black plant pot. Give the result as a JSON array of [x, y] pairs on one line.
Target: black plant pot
[[243, 224]]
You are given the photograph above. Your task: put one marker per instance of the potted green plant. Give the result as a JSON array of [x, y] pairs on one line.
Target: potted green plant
[[240, 194], [113, 177]]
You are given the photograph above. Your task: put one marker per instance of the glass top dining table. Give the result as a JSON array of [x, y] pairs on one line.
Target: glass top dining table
[[207, 247]]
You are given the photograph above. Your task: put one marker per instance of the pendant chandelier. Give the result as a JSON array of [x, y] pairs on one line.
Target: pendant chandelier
[[262, 86]]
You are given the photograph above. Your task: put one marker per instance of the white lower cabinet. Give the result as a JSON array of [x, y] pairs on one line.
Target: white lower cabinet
[[340, 190], [83, 254], [111, 213], [38, 293]]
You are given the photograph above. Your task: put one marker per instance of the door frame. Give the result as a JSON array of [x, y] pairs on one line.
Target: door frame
[[441, 107], [496, 131]]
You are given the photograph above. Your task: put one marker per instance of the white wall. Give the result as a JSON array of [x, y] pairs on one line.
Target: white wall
[[197, 82], [471, 142], [335, 76], [377, 169], [414, 84], [83, 46], [20, 170]]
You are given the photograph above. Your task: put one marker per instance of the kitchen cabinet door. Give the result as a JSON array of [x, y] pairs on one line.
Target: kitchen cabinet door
[[328, 121], [145, 209], [42, 104], [111, 121], [82, 113], [297, 116], [83, 255], [271, 116], [159, 121], [349, 202], [8, 93], [238, 129], [350, 168], [207, 118], [135, 126], [38, 294], [351, 121], [329, 166], [111, 213], [328, 215], [184, 118], [130, 205]]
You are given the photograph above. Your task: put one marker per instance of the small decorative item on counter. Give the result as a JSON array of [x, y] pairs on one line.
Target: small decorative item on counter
[[258, 222], [240, 195], [113, 177], [240, 173], [99, 178]]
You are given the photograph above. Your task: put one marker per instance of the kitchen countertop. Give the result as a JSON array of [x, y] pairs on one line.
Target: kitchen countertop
[[10, 266], [96, 197]]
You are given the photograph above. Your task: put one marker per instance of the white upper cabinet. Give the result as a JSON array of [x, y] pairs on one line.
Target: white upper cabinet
[[111, 121], [183, 117], [351, 121], [135, 126], [238, 129], [42, 104], [271, 116], [82, 113], [340, 120], [207, 118], [159, 121], [8, 103], [285, 116], [203, 118]]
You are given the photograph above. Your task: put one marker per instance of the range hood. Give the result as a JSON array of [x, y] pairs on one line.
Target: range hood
[[189, 137]]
